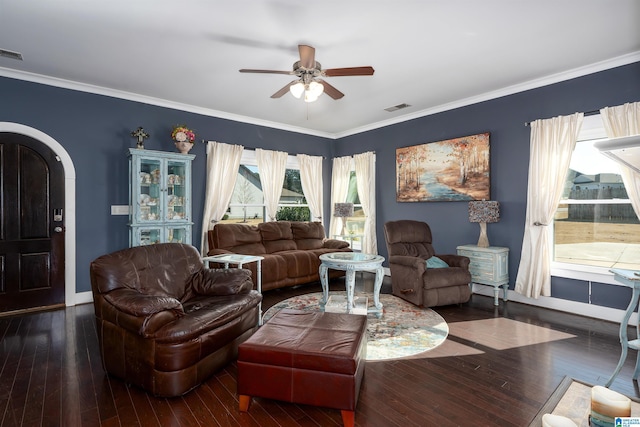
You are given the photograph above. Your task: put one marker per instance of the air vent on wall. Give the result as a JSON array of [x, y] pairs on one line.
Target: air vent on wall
[[11, 54], [397, 107]]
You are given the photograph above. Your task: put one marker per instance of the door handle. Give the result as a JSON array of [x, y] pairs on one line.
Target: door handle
[[58, 229]]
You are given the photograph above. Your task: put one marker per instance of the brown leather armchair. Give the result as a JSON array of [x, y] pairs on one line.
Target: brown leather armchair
[[409, 246], [165, 323]]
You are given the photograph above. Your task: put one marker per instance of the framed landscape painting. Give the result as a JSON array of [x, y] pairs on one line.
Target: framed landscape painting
[[452, 170]]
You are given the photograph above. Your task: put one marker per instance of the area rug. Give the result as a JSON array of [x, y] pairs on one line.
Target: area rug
[[403, 330]]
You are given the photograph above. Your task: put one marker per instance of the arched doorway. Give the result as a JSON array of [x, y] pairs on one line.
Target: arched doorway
[[69, 204]]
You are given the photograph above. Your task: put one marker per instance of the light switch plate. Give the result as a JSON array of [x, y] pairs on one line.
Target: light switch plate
[[120, 210]]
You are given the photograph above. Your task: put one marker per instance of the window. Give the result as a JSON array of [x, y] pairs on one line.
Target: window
[[595, 227], [355, 224], [247, 201]]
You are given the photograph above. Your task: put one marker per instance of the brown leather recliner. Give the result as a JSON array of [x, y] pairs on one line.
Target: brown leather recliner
[[166, 323], [409, 246]]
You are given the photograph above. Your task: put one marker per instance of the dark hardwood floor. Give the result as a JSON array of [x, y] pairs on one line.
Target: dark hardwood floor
[[497, 368]]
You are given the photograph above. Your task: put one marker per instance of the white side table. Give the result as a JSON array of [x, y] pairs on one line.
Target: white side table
[[489, 266], [631, 279], [239, 260]]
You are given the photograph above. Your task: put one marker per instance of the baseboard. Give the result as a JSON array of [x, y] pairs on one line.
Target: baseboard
[[583, 309], [580, 308], [81, 298]]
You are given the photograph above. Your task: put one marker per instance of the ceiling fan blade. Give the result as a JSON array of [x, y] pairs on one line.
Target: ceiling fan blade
[[244, 70], [284, 90], [330, 90], [350, 71], [307, 56]]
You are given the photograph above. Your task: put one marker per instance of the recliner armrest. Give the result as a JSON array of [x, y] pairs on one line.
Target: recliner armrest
[[409, 261], [456, 260], [221, 281]]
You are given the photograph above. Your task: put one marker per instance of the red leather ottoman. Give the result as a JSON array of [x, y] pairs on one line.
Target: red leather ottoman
[[311, 358]]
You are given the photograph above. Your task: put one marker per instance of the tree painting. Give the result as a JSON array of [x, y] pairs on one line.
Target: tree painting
[[452, 170]]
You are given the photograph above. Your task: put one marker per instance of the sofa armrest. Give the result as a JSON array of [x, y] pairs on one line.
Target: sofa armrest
[[335, 244], [141, 305], [221, 281], [456, 260], [216, 251]]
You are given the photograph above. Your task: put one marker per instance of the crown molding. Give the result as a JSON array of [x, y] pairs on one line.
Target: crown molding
[[509, 90], [159, 102]]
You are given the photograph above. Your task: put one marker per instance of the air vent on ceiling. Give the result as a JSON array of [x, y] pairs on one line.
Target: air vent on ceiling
[[11, 54], [397, 107]]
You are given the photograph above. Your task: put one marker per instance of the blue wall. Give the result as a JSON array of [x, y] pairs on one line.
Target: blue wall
[[95, 130], [504, 118]]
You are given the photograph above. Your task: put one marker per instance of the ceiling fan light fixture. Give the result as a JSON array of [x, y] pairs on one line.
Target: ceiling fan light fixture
[[316, 88], [297, 89], [310, 96]]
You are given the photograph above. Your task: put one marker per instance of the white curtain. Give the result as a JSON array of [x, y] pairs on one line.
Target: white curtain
[[271, 167], [340, 173], [223, 162], [551, 147], [624, 120], [366, 181], [311, 181]]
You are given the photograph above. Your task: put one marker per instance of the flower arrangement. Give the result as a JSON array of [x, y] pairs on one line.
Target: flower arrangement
[[181, 133]]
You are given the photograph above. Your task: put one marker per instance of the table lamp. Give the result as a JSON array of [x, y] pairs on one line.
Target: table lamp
[[343, 211], [482, 212]]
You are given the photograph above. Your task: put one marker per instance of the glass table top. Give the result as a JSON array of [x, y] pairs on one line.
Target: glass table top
[[351, 257]]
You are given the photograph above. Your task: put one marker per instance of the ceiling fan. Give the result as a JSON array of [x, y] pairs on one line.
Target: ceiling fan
[[309, 71]]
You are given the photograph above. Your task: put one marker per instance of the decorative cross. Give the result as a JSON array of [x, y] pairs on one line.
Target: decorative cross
[[141, 135]]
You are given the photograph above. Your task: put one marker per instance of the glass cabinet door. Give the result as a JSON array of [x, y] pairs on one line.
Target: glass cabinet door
[[150, 191], [149, 236], [178, 234], [176, 193]]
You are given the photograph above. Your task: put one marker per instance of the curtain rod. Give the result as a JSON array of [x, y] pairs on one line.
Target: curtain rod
[[587, 113], [204, 141]]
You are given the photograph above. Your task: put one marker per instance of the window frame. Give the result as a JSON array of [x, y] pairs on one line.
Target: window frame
[[592, 128], [249, 158]]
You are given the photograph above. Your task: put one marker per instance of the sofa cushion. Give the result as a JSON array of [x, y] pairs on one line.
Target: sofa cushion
[[300, 263], [308, 235], [203, 314], [277, 236], [237, 238], [443, 277]]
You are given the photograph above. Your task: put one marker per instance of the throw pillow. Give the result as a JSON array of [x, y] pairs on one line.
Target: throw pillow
[[435, 262]]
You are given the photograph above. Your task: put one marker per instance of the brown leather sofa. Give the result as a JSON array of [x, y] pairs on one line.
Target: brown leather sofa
[[165, 323], [291, 250], [409, 244]]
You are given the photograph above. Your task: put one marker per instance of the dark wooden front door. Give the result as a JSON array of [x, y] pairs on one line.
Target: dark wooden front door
[[32, 224]]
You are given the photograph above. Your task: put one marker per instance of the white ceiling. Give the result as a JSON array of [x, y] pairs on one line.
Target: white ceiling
[[433, 55]]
